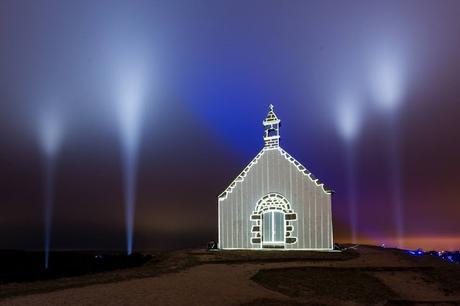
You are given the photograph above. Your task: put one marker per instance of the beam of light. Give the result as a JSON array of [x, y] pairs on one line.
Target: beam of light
[[50, 129], [349, 121], [348, 118], [351, 191], [50, 138], [387, 82], [389, 77], [130, 108], [395, 181]]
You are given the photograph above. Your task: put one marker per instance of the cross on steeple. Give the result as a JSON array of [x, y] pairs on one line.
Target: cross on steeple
[[271, 129]]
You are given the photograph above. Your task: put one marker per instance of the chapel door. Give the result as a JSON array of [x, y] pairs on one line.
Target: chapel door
[[273, 228]]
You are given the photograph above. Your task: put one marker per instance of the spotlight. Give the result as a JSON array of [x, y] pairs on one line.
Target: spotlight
[[387, 78], [348, 118]]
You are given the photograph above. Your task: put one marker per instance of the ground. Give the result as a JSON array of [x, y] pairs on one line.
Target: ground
[[365, 276]]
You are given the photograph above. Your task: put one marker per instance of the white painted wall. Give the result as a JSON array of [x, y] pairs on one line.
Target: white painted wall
[[273, 170]]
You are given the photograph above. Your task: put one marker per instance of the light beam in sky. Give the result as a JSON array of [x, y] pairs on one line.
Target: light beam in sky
[[388, 78], [130, 108], [348, 118], [348, 124], [387, 82], [50, 138]]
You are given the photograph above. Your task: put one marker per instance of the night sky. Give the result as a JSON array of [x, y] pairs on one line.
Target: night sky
[[206, 72]]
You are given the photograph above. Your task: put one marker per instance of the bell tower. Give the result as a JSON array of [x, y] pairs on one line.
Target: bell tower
[[271, 129]]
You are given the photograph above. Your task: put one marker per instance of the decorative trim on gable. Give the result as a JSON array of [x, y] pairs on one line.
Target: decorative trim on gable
[[292, 160], [241, 176], [304, 170]]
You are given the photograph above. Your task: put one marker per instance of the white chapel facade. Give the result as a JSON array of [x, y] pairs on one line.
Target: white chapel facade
[[275, 202]]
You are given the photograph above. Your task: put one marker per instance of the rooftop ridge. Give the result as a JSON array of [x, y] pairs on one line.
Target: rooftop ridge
[[292, 160]]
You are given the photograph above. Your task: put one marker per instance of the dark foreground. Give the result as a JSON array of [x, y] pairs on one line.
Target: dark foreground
[[26, 266], [367, 276]]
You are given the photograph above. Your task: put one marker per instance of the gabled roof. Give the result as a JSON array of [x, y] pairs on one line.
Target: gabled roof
[[305, 171], [292, 160], [241, 176]]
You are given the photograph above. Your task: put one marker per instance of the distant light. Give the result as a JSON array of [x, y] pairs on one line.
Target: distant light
[[418, 252], [348, 117], [387, 82], [50, 131]]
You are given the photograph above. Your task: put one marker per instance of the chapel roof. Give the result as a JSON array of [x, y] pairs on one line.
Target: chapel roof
[[292, 160], [269, 122]]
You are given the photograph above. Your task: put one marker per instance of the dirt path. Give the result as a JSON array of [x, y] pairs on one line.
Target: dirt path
[[231, 284], [211, 284]]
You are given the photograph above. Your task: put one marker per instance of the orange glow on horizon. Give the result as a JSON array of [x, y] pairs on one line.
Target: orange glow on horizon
[[427, 243]]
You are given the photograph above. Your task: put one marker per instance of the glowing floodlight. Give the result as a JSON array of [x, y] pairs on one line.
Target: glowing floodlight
[[50, 130], [50, 137], [387, 83], [348, 118], [348, 124], [130, 108]]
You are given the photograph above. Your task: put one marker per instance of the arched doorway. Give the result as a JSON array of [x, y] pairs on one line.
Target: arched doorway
[[274, 222]]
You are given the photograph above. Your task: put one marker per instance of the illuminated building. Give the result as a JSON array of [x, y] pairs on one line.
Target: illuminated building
[[275, 202]]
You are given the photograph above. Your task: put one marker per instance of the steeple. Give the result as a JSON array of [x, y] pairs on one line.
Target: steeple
[[271, 129]]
